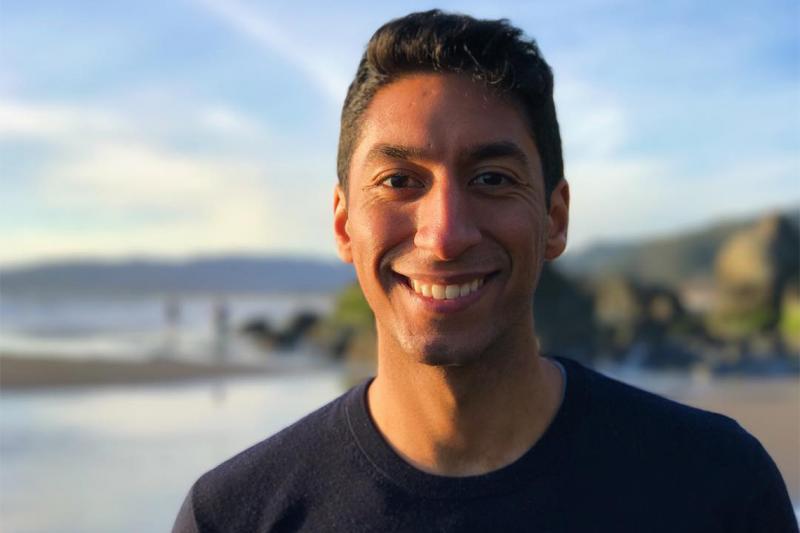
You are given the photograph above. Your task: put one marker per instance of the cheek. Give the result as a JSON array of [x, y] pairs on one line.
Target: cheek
[[523, 231], [375, 232]]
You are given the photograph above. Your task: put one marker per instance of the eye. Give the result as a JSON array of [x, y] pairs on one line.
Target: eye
[[491, 179], [401, 181]]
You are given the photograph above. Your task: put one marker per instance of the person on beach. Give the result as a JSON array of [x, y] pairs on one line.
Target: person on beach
[[451, 196]]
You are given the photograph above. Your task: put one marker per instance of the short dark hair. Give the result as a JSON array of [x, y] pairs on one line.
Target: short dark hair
[[492, 52]]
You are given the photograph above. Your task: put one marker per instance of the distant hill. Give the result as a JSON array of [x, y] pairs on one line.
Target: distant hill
[[224, 274], [667, 260]]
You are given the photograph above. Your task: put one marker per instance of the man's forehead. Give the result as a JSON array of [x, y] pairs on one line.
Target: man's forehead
[[427, 115], [417, 93]]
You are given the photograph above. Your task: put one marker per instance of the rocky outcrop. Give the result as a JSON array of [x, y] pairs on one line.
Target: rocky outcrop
[[753, 270], [283, 339], [641, 321]]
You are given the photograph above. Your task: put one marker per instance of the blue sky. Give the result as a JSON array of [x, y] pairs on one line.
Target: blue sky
[[210, 126]]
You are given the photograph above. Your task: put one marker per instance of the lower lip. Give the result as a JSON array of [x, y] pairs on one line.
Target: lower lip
[[447, 306]]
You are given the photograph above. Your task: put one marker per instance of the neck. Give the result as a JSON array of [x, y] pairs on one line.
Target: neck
[[469, 419]]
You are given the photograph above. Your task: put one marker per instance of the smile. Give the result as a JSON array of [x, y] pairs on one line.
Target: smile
[[445, 292]]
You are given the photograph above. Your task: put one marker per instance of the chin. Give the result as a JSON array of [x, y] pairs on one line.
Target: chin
[[441, 353]]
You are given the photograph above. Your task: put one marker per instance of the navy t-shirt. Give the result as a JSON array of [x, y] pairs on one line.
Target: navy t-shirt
[[615, 458]]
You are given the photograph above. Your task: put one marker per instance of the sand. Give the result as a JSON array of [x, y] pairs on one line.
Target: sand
[[37, 372]]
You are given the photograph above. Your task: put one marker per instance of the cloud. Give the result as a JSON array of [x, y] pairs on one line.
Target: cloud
[[606, 184], [134, 175], [330, 81], [593, 124], [75, 124], [24, 120], [180, 204], [224, 120], [621, 191], [620, 197], [119, 191]]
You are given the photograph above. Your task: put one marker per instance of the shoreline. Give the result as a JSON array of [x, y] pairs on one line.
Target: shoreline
[[41, 372]]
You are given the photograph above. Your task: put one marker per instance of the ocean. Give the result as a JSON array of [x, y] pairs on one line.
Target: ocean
[[140, 326], [100, 459]]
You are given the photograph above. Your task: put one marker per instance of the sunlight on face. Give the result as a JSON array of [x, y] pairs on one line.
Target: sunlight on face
[[446, 196]]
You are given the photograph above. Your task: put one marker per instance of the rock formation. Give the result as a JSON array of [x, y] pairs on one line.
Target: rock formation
[[753, 270]]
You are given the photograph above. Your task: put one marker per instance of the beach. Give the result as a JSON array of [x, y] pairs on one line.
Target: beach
[[38, 372], [769, 408]]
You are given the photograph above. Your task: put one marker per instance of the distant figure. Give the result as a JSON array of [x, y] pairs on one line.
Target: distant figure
[[172, 320], [221, 321]]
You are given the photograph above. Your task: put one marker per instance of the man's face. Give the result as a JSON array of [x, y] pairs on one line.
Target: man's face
[[445, 218]]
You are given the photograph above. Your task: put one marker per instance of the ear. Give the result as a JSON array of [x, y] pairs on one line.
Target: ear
[[557, 221], [340, 225]]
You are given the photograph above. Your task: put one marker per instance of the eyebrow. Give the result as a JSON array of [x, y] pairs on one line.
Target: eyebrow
[[394, 151], [475, 154], [497, 150]]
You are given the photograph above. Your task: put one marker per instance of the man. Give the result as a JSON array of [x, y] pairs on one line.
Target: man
[[451, 196]]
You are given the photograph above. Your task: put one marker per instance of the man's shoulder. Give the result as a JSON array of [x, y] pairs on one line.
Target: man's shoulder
[[620, 405], [641, 427], [265, 480], [680, 456], [297, 454], [667, 439]]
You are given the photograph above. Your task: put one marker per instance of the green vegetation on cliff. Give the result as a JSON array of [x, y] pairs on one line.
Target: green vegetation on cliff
[[351, 309]]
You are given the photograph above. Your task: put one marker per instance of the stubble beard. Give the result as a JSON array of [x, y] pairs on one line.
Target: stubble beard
[[441, 354], [447, 350]]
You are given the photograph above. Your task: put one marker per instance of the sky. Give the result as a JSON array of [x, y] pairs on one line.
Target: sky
[[205, 127]]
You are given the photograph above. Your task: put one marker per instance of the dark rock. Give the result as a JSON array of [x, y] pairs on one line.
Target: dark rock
[[284, 339]]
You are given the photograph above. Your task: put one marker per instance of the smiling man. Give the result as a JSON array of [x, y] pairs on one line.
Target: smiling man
[[451, 196], [444, 214]]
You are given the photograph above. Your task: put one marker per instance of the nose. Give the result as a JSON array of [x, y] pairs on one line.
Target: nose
[[446, 226]]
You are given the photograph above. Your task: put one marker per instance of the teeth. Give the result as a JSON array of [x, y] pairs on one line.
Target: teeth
[[446, 292], [452, 291], [438, 292]]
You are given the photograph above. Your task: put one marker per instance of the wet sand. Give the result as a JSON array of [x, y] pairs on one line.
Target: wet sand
[[38, 372]]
